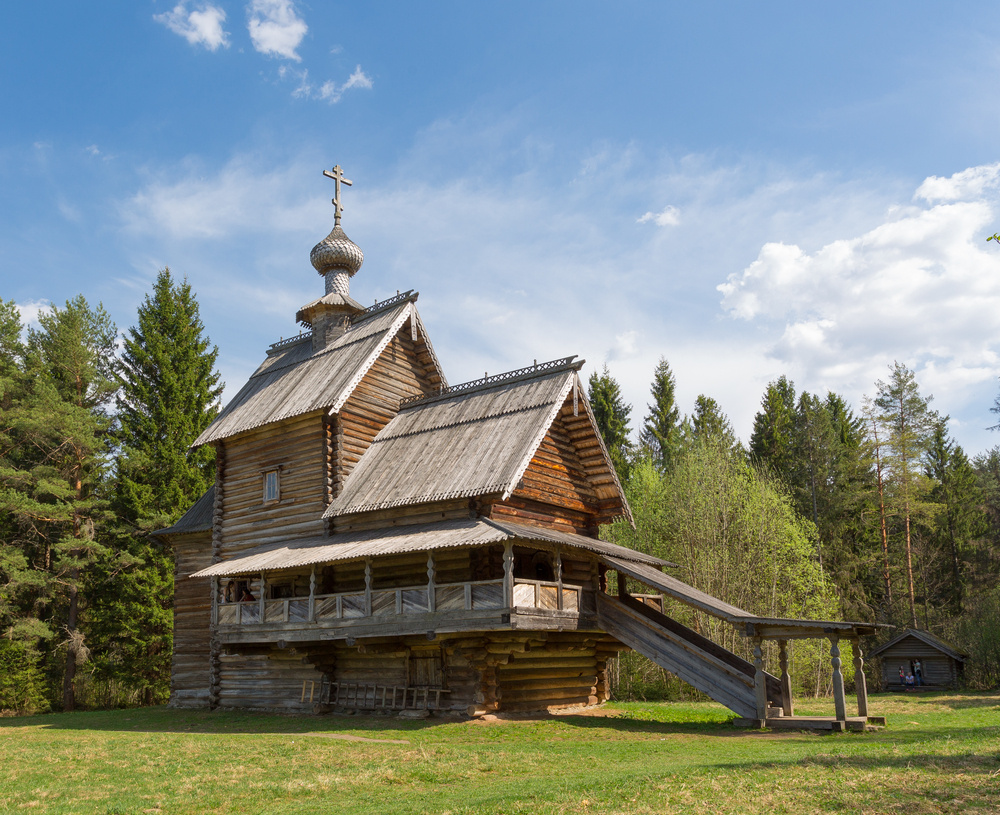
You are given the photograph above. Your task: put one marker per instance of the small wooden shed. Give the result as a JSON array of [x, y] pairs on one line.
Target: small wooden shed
[[941, 663]]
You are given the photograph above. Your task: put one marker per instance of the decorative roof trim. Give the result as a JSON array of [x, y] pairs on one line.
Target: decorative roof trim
[[487, 382], [281, 345], [378, 308]]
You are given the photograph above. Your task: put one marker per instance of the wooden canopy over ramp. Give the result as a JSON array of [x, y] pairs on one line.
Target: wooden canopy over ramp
[[745, 688]]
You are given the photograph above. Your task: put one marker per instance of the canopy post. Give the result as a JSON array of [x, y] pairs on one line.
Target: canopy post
[[839, 703], [786, 680], [860, 685], [759, 678]]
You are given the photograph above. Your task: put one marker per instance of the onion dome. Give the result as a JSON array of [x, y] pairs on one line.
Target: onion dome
[[337, 253]]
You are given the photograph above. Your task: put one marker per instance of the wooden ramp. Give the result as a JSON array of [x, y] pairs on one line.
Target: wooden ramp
[[701, 663]]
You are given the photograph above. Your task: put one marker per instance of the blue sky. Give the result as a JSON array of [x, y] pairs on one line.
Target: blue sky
[[749, 190]]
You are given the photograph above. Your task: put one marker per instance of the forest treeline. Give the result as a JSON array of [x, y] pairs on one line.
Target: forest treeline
[[872, 514], [94, 437], [868, 513]]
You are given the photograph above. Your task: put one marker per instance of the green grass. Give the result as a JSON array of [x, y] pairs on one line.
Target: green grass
[[940, 753]]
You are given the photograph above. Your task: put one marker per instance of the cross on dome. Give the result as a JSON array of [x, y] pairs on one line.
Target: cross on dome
[[338, 178]]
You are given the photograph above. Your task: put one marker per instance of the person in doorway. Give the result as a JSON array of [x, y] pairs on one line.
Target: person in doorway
[[918, 672], [910, 683], [902, 677], [247, 596]]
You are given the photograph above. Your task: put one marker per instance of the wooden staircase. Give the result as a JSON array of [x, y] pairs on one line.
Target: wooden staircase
[[701, 663]]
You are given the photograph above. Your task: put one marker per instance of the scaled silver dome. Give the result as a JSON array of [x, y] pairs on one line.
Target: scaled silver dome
[[337, 251]]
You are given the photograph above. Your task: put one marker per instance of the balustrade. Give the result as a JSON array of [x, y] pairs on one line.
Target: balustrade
[[468, 596]]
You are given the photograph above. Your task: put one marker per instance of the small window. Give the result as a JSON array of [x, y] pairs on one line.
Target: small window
[[271, 490]]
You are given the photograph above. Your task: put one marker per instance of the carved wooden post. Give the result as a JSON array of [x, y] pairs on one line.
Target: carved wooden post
[[215, 601], [840, 706], [431, 600], [260, 600], [368, 587], [860, 685], [312, 595], [508, 575], [786, 679], [559, 597], [759, 686]]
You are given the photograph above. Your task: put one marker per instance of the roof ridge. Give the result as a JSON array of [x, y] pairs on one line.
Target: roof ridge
[[395, 300], [488, 382]]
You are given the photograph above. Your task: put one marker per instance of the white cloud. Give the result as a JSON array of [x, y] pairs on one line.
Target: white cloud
[[332, 92], [276, 28], [922, 287], [30, 310], [671, 216], [203, 26], [970, 183]]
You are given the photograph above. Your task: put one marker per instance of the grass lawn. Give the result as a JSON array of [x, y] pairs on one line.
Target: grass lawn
[[940, 753]]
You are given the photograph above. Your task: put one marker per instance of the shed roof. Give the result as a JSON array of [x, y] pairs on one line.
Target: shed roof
[[294, 380], [471, 440], [415, 538], [749, 624], [197, 519], [927, 638]]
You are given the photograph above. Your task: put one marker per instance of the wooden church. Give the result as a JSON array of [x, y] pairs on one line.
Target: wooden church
[[377, 539]]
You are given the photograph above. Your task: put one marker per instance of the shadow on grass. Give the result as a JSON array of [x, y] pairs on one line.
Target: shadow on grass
[[167, 720]]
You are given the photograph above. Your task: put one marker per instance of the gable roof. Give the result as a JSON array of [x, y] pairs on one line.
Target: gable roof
[[197, 519], [928, 639], [415, 538], [294, 380], [471, 440]]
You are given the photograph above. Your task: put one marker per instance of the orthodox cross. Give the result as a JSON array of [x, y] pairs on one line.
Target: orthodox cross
[[338, 177]]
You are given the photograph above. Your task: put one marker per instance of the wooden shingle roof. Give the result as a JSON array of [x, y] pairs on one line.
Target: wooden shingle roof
[[928, 639], [197, 519], [415, 538], [294, 380], [472, 440]]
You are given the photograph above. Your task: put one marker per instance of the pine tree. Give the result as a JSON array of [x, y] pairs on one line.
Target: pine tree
[[612, 417], [660, 434], [59, 442], [908, 422]]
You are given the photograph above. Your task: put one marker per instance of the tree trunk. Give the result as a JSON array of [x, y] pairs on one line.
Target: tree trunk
[[881, 509], [69, 677], [909, 569]]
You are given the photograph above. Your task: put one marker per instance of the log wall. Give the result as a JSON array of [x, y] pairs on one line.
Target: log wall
[[298, 446], [190, 668], [271, 681]]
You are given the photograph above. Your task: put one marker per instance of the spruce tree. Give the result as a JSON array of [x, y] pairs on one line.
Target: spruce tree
[[961, 517], [612, 417], [773, 433], [708, 423], [169, 394], [660, 434]]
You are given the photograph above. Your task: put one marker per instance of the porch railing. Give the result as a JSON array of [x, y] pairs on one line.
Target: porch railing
[[468, 596]]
